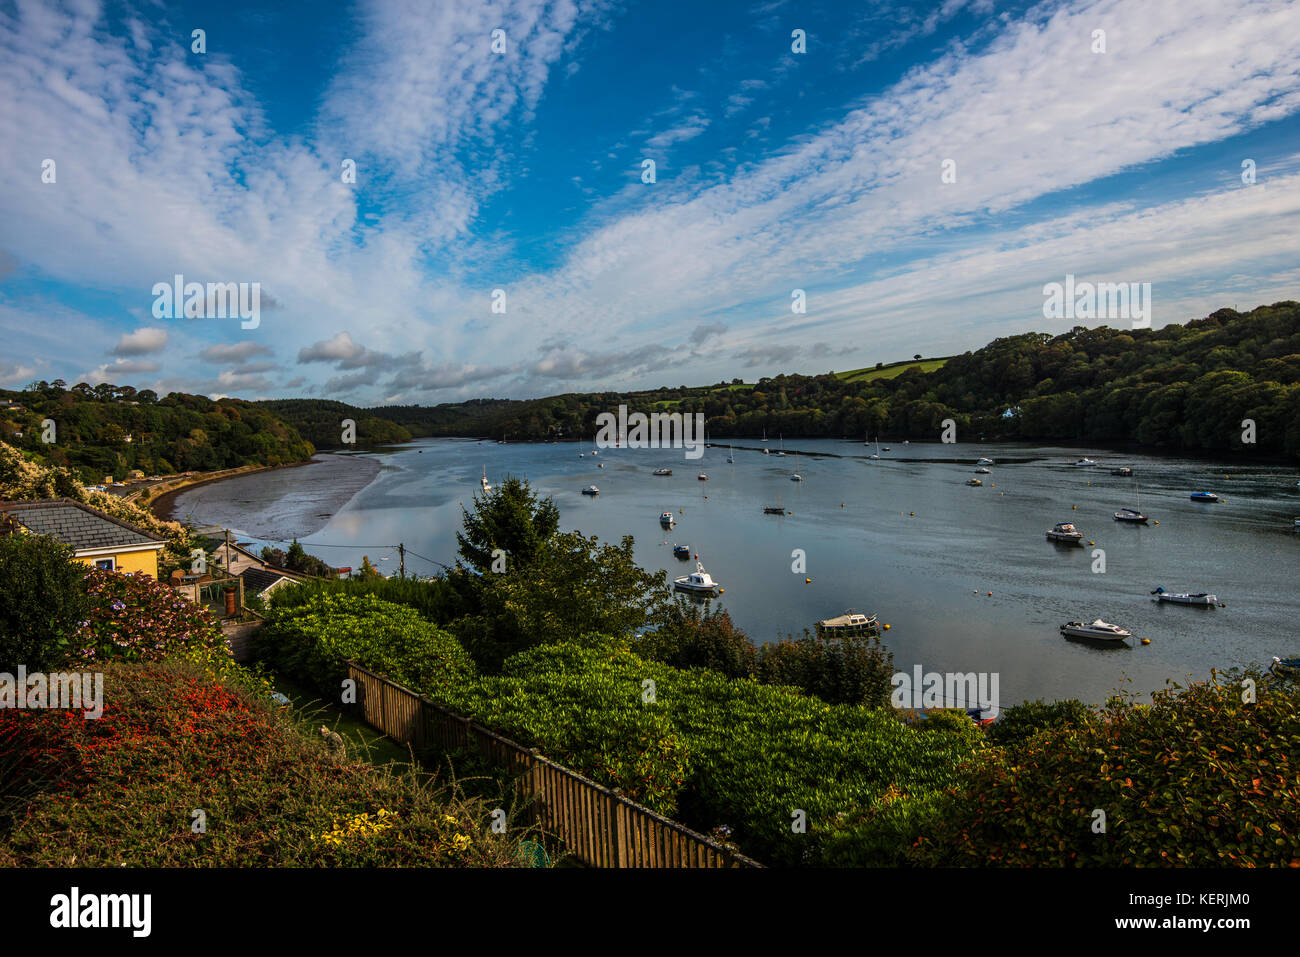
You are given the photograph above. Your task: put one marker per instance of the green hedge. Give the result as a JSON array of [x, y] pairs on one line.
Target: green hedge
[[753, 753], [311, 642]]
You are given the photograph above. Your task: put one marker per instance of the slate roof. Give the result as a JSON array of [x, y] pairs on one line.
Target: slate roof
[[75, 524], [258, 580]]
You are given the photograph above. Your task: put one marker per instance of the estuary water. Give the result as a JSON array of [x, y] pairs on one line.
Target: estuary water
[[964, 576]]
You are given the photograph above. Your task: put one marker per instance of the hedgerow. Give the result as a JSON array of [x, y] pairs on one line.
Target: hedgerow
[[754, 754], [311, 642]]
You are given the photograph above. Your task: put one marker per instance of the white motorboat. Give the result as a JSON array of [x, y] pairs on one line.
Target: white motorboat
[[1084, 462], [1123, 471], [849, 623], [1200, 599], [663, 471], [984, 461], [698, 582], [1097, 629], [1066, 533], [983, 470], [666, 519], [591, 490], [703, 477]]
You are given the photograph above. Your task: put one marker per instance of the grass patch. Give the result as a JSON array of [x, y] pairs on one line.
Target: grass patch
[[890, 371]]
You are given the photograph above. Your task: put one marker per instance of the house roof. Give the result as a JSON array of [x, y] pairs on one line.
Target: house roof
[[76, 524], [258, 580]]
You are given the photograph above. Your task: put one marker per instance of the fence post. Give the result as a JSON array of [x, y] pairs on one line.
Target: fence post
[[618, 820]]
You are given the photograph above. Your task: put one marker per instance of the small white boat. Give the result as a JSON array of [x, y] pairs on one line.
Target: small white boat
[[663, 471], [731, 455], [1098, 629], [1297, 523], [484, 483], [849, 623], [703, 477], [984, 461], [698, 582], [1066, 533], [982, 470], [1123, 471], [600, 465], [796, 477], [1084, 463], [1200, 599], [876, 454], [975, 482], [666, 519], [591, 490]]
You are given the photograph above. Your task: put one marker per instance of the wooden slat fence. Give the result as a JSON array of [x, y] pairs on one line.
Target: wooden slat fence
[[597, 825]]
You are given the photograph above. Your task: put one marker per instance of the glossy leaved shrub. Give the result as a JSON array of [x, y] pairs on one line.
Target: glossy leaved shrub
[[755, 754], [1198, 778], [312, 641]]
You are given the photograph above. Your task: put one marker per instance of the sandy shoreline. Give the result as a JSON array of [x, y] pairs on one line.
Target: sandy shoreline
[[285, 502]]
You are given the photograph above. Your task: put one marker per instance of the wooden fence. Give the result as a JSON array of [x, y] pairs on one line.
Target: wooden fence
[[596, 824]]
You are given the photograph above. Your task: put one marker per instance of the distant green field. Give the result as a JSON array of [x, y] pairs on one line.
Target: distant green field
[[890, 371]]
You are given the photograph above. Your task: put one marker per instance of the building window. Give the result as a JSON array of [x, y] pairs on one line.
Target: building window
[[105, 563]]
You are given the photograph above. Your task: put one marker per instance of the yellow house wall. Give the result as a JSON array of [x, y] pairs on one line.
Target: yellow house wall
[[128, 562]]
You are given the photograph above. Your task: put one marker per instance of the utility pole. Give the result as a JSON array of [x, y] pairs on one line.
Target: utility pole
[[401, 551]]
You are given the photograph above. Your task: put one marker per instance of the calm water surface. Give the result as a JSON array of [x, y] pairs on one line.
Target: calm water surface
[[902, 537]]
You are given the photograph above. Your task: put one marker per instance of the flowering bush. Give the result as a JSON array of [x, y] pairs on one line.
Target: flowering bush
[[122, 789], [135, 618]]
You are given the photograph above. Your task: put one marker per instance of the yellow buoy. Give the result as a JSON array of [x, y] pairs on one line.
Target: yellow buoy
[[807, 580], [841, 504], [886, 628], [1092, 543], [1155, 523], [1075, 507], [721, 590], [990, 594], [911, 513], [1146, 641]]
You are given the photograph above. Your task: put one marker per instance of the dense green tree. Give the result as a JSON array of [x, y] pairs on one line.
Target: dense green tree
[[42, 602]]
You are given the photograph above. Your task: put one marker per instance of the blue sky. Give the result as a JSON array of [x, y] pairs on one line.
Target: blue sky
[[521, 171]]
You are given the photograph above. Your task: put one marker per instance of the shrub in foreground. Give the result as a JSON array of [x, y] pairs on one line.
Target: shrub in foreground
[[119, 790], [1195, 779]]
